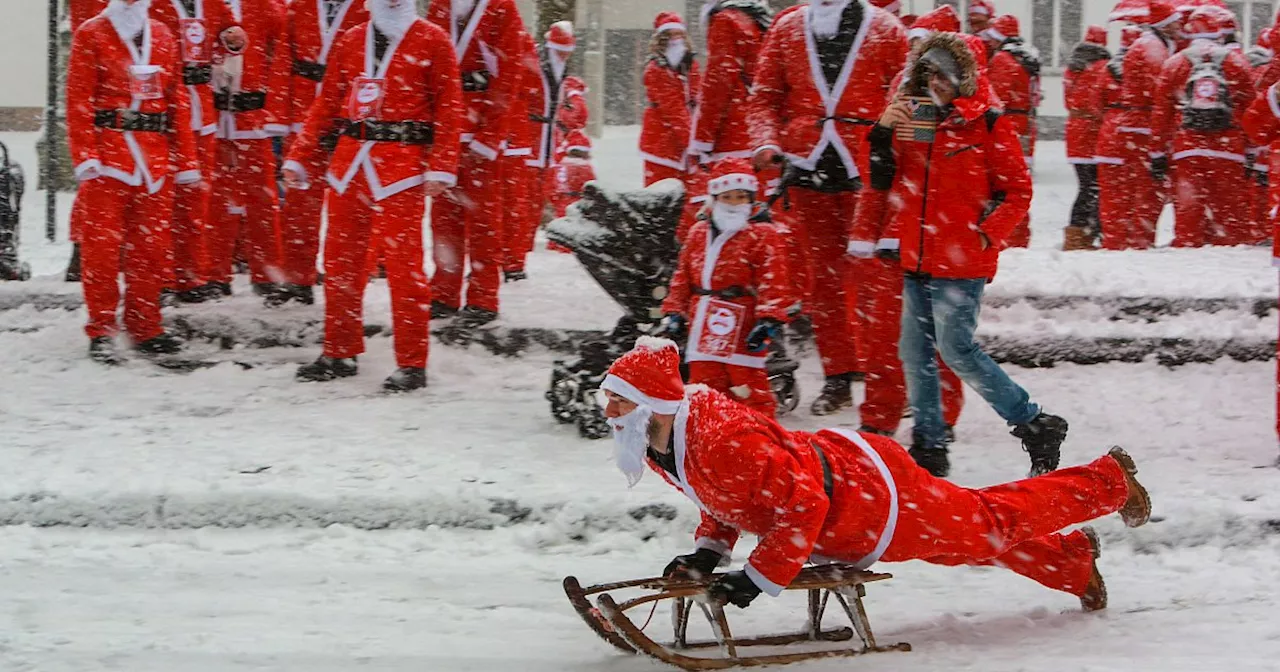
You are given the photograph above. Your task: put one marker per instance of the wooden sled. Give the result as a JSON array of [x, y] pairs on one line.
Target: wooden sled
[[843, 583]]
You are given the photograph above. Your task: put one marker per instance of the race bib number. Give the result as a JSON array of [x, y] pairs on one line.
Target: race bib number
[[721, 330], [195, 41], [144, 82], [365, 100]]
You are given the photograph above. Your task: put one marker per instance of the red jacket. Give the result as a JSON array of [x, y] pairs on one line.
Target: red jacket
[[1166, 120], [752, 262], [934, 191], [1262, 124], [421, 84], [309, 41], [792, 113], [748, 474], [83, 10], [1016, 89], [523, 131], [733, 46], [265, 73], [99, 77], [670, 97], [1129, 131], [565, 113], [197, 35], [1084, 86], [489, 48]]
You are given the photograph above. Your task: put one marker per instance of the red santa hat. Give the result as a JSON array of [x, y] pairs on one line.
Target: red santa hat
[[649, 375], [668, 21], [941, 20], [1003, 28], [1096, 35], [1188, 6], [560, 36], [891, 6], [908, 20], [1154, 13], [732, 174], [982, 8]]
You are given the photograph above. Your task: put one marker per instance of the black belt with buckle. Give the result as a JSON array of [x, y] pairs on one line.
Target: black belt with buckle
[[309, 69], [405, 132], [828, 484], [474, 81], [728, 293], [132, 120], [245, 101], [195, 74]]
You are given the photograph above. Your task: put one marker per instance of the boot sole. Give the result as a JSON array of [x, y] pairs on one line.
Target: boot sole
[[1134, 513]]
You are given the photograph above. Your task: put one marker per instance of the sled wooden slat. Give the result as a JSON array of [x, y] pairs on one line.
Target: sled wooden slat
[[597, 622]]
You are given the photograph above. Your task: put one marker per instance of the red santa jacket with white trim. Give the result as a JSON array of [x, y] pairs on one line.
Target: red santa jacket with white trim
[[553, 110], [1084, 94], [790, 108], [198, 39], [309, 41], [1014, 87], [749, 262], [83, 10], [420, 84], [1143, 63], [1261, 122], [733, 48], [489, 46], [671, 97], [523, 129], [1166, 119], [99, 78], [264, 72]]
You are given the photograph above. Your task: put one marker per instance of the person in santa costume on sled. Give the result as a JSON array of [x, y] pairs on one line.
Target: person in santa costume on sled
[[394, 87], [312, 27], [837, 495], [1204, 91], [671, 82], [730, 294], [821, 82], [466, 226], [1014, 71], [129, 129]]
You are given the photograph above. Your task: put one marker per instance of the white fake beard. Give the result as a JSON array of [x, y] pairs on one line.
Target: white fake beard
[[824, 16], [559, 61], [393, 21], [461, 8], [676, 50], [128, 19], [731, 218], [631, 442]]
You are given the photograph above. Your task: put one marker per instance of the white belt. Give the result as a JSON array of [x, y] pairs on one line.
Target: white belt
[[890, 525]]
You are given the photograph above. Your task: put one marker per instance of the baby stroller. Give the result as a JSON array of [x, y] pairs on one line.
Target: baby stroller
[[12, 185], [627, 242]]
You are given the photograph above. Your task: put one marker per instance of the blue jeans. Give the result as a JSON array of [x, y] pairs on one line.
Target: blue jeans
[[941, 315]]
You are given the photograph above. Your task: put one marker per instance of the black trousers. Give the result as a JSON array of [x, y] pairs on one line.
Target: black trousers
[[1084, 213]]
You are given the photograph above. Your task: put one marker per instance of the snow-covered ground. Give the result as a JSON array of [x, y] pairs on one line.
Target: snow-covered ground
[[236, 520]]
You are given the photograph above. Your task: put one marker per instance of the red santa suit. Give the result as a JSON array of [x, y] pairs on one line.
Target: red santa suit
[[1130, 197], [249, 94], [734, 36], [467, 226], [1084, 85], [726, 281], [837, 495], [1014, 72], [402, 116], [1211, 203], [312, 28], [798, 111], [670, 98], [1260, 58], [1262, 124], [521, 183], [197, 25], [572, 171], [129, 129]]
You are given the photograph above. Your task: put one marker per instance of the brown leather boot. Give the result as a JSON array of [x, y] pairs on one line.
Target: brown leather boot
[[1074, 239], [1095, 594], [1137, 508]]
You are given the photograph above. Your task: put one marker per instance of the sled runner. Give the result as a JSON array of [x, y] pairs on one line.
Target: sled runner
[[838, 584]]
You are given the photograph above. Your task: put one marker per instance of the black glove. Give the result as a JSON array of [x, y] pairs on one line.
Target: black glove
[[675, 327], [765, 330], [735, 588], [1159, 168], [696, 565]]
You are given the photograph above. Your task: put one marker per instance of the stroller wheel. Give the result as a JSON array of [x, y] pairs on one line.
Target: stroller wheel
[[786, 391], [561, 394], [592, 424]]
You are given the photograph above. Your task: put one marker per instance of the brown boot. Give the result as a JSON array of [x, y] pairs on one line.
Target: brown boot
[[1074, 238], [1095, 594], [1137, 508]]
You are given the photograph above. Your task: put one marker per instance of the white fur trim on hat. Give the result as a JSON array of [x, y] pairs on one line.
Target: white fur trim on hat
[[674, 25], [624, 389], [980, 10], [994, 34], [918, 33], [731, 182], [893, 6]]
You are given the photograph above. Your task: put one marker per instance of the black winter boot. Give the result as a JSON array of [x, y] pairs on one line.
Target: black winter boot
[[103, 351], [440, 311], [405, 379], [1042, 439], [837, 394], [471, 316], [932, 459], [325, 369], [164, 344]]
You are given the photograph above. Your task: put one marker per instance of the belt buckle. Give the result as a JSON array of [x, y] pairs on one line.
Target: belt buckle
[[126, 118]]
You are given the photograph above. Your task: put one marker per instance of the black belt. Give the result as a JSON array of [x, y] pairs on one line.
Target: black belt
[[539, 118], [329, 141], [246, 101], [1128, 107], [475, 80], [728, 293], [828, 484], [309, 69], [405, 132], [847, 120], [195, 74], [1022, 112], [132, 120]]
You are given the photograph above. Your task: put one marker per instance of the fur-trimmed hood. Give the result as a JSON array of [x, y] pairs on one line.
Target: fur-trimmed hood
[[971, 55], [1085, 54]]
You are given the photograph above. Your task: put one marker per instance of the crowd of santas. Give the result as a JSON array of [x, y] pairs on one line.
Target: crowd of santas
[[177, 113]]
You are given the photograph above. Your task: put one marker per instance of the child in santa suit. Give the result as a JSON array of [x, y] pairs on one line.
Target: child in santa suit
[[730, 293], [573, 171]]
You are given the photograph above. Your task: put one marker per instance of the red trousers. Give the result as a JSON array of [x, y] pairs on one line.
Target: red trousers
[[1130, 202], [124, 225], [756, 393], [1211, 202], [879, 314], [466, 231], [819, 223], [244, 208], [393, 225], [1014, 525], [190, 210], [524, 196], [300, 227]]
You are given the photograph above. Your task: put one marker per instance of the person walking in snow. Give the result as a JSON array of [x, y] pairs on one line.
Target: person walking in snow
[[671, 80], [952, 178], [837, 495], [1014, 72], [1084, 85]]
